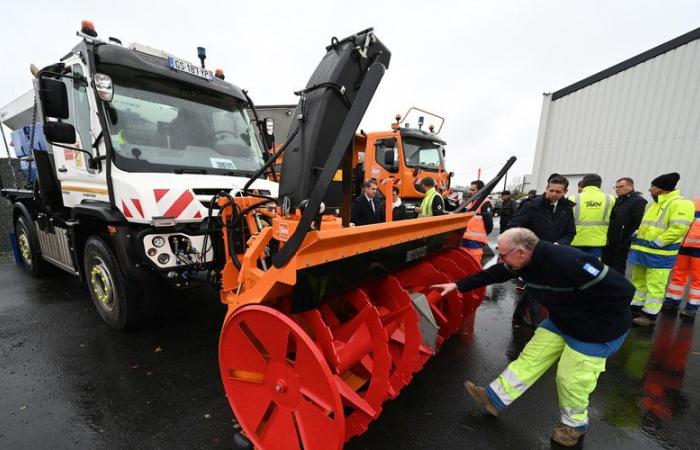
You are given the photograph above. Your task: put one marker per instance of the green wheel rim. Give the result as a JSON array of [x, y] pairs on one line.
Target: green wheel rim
[[102, 284]]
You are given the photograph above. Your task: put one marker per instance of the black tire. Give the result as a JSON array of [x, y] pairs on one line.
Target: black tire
[[118, 300], [28, 247]]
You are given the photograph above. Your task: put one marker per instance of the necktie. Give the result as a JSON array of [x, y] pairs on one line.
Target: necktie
[[371, 204]]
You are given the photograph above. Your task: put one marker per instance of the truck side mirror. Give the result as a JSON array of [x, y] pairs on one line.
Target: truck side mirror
[[389, 158], [54, 98], [59, 132]]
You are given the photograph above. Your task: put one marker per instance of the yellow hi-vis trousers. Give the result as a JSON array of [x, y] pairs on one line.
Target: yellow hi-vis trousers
[[650, 287], [577, 375]]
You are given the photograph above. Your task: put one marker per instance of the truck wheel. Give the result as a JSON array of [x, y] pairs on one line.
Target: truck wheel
[[116, 297], [28, 247]]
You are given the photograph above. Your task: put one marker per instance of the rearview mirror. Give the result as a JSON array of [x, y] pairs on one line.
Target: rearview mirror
[[59, 132], [54, 98]]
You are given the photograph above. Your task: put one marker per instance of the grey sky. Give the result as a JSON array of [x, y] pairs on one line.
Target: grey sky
[[482, 65]]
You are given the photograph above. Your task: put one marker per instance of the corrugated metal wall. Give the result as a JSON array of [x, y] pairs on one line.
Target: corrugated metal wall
[[640, 122]]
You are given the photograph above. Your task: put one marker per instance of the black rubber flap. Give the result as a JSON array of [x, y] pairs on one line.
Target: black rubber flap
[[344, 66]]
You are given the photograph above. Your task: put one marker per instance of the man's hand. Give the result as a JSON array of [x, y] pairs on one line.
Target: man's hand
[[444, 288]]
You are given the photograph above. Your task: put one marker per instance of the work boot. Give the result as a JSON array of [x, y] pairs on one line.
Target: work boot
[[479, 394], [636, 310], [644, 321], [688, 314], [670, 305], [566, 435]]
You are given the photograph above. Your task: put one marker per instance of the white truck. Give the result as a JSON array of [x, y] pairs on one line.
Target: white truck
[[139, 142]]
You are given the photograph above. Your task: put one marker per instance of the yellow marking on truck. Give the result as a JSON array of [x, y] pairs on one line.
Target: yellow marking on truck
[[89, 190]]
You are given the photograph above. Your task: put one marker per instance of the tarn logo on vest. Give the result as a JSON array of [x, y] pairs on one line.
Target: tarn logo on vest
[[593, 204]]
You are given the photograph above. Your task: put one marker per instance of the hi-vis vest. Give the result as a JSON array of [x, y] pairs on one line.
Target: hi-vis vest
[[476, 231], [663, 227], [426, 207], [692, 239], [592, 214]]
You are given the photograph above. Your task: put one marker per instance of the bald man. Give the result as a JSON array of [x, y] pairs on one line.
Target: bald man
[[589, 318]]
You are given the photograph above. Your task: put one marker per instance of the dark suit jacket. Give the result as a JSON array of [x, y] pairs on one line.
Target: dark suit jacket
[[399, 212], [536, 215], [625, 218], [361, 212]]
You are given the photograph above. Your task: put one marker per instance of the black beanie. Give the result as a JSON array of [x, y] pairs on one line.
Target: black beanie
[[667, 181]]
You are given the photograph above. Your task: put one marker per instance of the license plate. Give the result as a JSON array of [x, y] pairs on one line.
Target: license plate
[[184, 66]]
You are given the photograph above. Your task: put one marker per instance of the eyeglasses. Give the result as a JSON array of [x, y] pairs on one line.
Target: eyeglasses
[[503, 255]]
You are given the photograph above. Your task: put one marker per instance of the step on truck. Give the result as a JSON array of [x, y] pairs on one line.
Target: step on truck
[[124, 148]]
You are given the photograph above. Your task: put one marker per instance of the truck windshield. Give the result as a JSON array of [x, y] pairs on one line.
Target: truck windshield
[[422, 153], [180, 129]]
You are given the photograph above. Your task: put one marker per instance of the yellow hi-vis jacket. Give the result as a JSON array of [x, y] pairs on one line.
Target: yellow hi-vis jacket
[[592, 215], [661, 232], [426, 207]]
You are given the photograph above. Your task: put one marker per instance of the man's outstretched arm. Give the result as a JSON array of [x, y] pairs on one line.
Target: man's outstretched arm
[[497, 273]]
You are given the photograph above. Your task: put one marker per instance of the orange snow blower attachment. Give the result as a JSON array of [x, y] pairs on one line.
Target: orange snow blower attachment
[[326, 321]]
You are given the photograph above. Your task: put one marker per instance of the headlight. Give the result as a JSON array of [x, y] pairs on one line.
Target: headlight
[[158, 241], [163, 258]]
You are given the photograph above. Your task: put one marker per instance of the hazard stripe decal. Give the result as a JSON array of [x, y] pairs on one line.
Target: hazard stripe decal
[[126, 211], [137, 204], [159, 193], [179, 205]]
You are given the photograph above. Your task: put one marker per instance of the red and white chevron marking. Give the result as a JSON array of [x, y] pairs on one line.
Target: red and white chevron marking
[[131, 208], [177, 204]]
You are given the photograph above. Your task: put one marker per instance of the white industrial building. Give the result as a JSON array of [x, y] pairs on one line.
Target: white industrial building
[[639, 118]]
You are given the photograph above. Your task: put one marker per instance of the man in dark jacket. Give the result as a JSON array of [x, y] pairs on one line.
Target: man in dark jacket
[[549, 216], [508, 208], [589, 318], [398, 211], [625, 218], [367, 209], [531, 194]]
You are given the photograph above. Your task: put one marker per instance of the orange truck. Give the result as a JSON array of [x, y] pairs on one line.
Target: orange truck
[[401, 156]]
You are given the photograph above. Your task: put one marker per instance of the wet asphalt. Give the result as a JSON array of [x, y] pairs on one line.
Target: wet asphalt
[[67, 381]]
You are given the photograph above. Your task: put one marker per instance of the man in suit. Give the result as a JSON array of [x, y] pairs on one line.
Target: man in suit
[[508, 209], [367, 209], [625, 218], [551, 218]]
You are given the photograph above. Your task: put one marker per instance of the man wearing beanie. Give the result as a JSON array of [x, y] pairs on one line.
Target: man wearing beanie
[[654, 250]]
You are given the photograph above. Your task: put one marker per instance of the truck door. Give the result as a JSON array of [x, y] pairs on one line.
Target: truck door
[[79, 181], [382, 160]]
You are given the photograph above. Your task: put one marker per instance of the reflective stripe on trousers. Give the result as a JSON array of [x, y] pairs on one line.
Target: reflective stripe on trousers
[[577, 375], [638, 299], [687, 268], [652, 282]]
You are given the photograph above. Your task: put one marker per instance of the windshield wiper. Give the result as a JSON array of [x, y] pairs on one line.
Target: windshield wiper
[[237, 173], [182, 170]]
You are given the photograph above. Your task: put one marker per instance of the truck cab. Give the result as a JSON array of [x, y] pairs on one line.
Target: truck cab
[[139, 143], [403, 156]]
